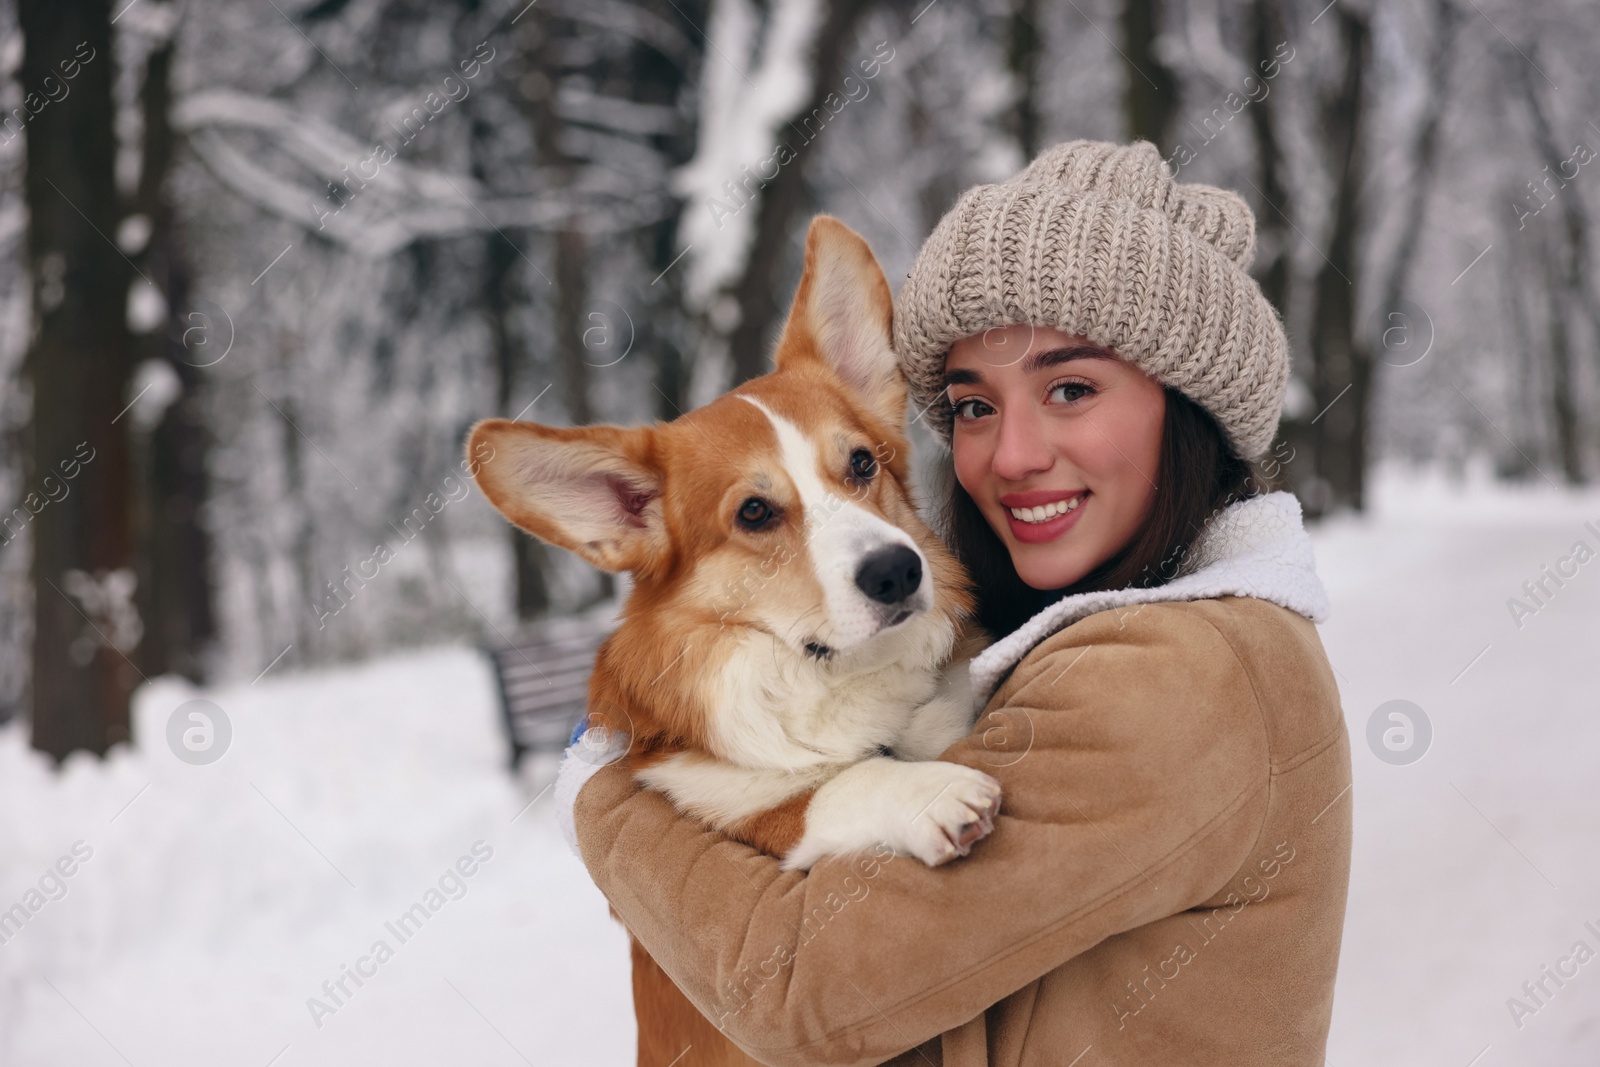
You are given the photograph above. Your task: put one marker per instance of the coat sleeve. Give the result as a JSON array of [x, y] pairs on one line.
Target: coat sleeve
[[1134, 761]]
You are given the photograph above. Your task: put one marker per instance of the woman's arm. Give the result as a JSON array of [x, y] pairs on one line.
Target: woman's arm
[[1135, 768]]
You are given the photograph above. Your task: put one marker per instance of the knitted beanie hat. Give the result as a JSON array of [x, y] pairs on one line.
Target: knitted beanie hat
[[1097, 240]]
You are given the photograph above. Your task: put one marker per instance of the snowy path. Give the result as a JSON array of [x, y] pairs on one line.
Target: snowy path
[[217, 900], [1477, 865]]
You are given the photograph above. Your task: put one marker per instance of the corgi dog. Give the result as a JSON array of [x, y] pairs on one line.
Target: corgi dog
[[792, 657]]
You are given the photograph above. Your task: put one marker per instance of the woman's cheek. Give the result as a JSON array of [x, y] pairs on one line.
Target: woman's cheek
[[1138, 423], [970, 461]]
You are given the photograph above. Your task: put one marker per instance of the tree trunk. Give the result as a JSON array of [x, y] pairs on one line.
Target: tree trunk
[[1273, 265], [1569, 447], [1341, 362], [1525, 365], [510, 368], [1424, 152], [1023, 46], [657, 78], [664, 335], [1152, 88], [1266, 29], [756, 292], [553, 34], [78, 365], [175, 591], [572, 310], [1568, 288], [528, 555]]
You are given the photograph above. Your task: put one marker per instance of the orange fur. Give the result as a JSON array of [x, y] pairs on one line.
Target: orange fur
[[776, 830], [671, 1031]]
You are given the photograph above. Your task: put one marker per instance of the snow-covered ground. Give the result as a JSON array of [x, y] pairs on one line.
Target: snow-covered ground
[[218, 899], [208, 904], [1479, 864]]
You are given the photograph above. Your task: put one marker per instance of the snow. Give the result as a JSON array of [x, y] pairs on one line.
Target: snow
[[1475, 866], [215, 901], [219, 898], [755, 81], [376, 202]]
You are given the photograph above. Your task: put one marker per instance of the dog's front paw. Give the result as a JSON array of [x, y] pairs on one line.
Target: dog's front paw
[[947, 808], [933, 811]]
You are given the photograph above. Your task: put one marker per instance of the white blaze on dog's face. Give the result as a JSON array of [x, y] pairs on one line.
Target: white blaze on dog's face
[[867, 573], [841, 470]]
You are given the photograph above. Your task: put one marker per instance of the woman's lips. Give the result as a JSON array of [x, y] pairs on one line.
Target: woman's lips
[[1033, 533]]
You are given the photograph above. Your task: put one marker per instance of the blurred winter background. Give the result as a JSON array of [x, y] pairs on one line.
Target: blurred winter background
[[263, 264]]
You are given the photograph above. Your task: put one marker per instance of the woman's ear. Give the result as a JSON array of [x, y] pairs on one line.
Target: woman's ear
[[843, 314], [592, 489]]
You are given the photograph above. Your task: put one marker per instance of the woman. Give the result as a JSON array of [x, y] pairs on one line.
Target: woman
[[1167, 880]]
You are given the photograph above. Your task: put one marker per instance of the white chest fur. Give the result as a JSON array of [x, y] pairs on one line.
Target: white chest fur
[[775, 710]]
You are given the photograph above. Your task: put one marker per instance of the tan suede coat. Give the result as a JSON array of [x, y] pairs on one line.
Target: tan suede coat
[[1166, 883]]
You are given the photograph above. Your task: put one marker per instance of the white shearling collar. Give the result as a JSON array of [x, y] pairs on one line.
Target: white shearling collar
[[1255, 548]]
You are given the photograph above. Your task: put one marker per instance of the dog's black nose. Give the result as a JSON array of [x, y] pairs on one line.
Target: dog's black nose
[[889, 575]]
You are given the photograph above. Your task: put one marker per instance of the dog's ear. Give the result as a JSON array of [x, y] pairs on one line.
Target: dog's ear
[[595, 490], [842, 314]]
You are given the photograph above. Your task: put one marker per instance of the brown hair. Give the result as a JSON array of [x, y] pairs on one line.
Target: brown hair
[[1199, 474]]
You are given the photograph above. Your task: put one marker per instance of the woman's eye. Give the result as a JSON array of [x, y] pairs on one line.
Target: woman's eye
[[1071, 391], [754, 513], [862, 465], [971, 408]]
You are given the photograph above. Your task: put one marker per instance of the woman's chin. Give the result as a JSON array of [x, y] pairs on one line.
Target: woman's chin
[[1057, 574], [1056, 562]]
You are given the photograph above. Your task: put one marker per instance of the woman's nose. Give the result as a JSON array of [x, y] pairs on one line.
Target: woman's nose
[[1021, 449]]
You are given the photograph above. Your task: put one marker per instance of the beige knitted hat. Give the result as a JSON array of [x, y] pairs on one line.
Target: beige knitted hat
[[1096, 239]]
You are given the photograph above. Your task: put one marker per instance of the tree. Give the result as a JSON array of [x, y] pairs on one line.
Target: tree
[[1024, 47], [1273, 264], [1567, 288], [1152, 87], [85, 626], [1341, 362], [174, 549], [757, 291]]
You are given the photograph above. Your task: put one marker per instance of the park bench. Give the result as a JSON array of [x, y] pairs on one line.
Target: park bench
[[542, 675]]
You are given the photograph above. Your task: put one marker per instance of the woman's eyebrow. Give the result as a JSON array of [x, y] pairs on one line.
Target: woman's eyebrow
[[1053, 357]]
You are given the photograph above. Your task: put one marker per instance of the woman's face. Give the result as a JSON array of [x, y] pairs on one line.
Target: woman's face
[[1057, 441]]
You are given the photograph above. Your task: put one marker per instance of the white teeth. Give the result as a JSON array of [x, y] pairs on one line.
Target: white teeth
[[1045, 512]]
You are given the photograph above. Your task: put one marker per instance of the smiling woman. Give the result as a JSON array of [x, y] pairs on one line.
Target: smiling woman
[[1068, 405], [1059, 447]]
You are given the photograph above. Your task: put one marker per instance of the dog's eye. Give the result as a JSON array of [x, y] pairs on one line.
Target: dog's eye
[[862, 465], [754, 513]]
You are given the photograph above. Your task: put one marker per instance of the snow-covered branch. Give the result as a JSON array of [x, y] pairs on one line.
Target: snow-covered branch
[[362, 197]]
